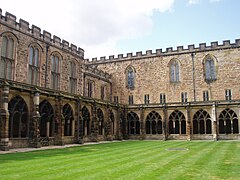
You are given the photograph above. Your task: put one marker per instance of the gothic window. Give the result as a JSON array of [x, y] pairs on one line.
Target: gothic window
[[69, 119], [228, 122], [210, 69], [100, 119], [7, 57], [174, 71], [133, 123], [202, 123], [90, 89], [130, 75], [18, 119], [72, 78], [47, 124], [153, 123], [86, 121], [34, 63], [177, 123], [55, 72]]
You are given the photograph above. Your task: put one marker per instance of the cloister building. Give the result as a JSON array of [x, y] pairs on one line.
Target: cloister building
[[51, 95]]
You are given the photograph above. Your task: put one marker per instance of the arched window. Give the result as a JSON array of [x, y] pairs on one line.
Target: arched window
[[7, 57], [133, 123], [34, 63], [174, 71], [130, 76], [18, 119], [47, 124], [177, 123], [55, 72], [72, 78], [68, 117], [100, 119], [228, 122], [153, 123], [86, 121], [210, 69], [202, 123]]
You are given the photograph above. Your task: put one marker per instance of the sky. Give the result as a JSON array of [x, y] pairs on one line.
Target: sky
[[111, 27]]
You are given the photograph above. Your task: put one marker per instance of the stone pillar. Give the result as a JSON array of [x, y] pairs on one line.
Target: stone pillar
[[188, 123], [35, 132], [59, 120], [117, 125], [214, 122], [164, 123], [48, 129], [94, 124], [4, 123], [79, 129], [142, 124], [125, 124]]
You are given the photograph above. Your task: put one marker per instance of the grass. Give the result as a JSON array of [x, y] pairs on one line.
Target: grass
[[128, 160]]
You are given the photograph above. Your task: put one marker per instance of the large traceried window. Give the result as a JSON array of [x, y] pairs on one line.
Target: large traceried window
[[34, 63], [174, 71], [72, 78], [130, 76], [7, 57], [55, 72], [210, 69]]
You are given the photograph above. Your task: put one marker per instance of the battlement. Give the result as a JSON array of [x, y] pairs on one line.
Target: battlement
[[97, 72], [169, 51], [23, 26]]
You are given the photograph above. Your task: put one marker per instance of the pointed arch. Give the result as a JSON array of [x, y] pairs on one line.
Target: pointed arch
[[69, 119], [133, 123], [86, 121], [202, 123], [100, 119], [18, 119], [130, 77], [174, 70], [47, 124], [153, 123], [228, 122], [210, 68], [177, 123]]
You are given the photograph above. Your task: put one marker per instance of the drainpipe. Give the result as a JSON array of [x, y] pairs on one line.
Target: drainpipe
[[46, 69], [193, 77]]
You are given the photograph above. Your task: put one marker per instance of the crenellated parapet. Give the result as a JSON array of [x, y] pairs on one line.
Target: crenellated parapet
[[24, 27], [168, 52]]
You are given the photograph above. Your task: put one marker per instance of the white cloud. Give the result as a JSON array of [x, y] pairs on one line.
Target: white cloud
[[192, 2], [93, 25], [213, 1]]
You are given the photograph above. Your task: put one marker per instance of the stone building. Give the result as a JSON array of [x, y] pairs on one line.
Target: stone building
[[51, 95]]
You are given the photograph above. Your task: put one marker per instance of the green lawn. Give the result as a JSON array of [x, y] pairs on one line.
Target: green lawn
[[128, 160]]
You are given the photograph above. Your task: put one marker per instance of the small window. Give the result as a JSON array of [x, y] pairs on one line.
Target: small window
[[72, 78], [130, 99], [162, 98], [205, 96], [115, 98], [102, 92], [146, 99], [184, 97], [55, 72], [228, 94], [33, 69], [90, 89]]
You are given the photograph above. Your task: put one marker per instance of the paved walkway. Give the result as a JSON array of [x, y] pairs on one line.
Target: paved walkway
[[52, 147]]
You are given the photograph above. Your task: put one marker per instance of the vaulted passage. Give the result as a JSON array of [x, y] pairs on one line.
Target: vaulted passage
[[153, 123], [100, 119], [202, 123], [86, 121], [177, 123], [228, 122], [69, 119], [47, 124], [18, 119], [133, 123]]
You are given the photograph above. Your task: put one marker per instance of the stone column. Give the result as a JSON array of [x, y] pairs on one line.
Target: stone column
[[4, 123], [188, 123], [35, 132], [94, 124], [164, 123], [214, 122], [125, 124], [59, 120], [142, 124], [79, 129]]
